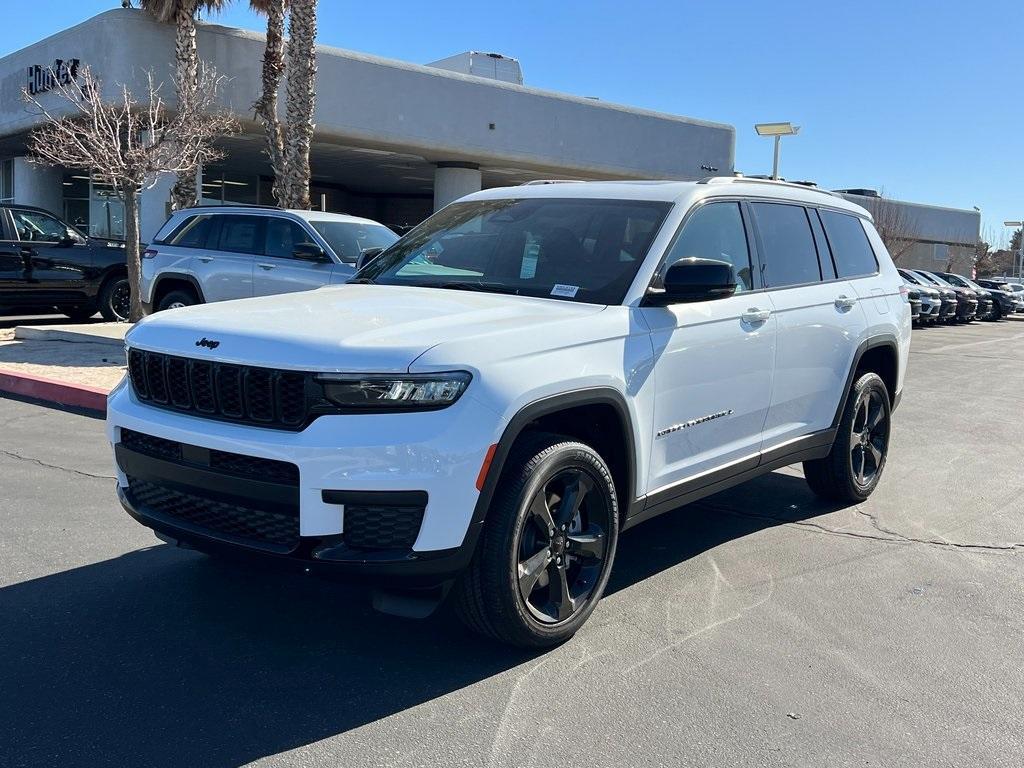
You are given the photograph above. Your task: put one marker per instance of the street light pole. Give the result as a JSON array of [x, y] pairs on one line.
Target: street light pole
[[777, 130]]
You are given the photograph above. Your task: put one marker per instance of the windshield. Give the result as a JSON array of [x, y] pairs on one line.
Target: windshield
[[956, 280], [584, 250], [934, 279], [348, 239]]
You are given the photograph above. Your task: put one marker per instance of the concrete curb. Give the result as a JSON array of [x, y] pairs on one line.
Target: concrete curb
[[84, 336], [51, 391]]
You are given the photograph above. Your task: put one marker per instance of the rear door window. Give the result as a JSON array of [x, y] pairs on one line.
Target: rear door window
[[850, 246], [241, 234], [788, 254], [193, 232]]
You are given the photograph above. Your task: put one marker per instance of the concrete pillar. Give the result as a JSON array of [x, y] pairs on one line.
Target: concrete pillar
[[39, 185], [455, 180], [155, 206]]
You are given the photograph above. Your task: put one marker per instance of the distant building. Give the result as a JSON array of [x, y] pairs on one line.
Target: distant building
[[926, 236]]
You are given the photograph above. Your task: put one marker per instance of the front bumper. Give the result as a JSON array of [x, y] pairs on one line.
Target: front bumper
[[437, 454]]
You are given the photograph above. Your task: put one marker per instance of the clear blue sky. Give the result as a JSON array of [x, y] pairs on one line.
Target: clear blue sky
[[924, 100]]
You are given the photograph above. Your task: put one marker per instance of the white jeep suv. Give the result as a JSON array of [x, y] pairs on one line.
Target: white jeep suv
[[215, 253], [524, 375]]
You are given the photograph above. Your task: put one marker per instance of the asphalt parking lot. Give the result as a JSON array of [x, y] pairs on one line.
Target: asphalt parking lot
[[760, 627]]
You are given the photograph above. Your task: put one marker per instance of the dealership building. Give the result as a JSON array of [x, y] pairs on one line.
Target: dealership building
[[394, 141]]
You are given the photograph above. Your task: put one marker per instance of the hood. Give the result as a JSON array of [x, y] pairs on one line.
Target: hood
[[358, 328]]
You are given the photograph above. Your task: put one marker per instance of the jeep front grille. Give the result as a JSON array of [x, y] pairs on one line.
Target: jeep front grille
[[264, 397]]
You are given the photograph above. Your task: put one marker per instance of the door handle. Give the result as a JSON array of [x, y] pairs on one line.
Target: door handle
[[844, 302], [206, 259], [755, 316], [267, 267]]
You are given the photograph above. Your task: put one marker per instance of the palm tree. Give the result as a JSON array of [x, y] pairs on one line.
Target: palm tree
[[301, 99], [266, 105], [182, 13], [288, 145]]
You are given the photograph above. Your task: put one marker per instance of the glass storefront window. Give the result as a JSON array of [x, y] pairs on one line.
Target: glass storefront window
[[92, 207]]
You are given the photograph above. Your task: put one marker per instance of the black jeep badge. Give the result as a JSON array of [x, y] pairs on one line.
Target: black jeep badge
[[208, 343]]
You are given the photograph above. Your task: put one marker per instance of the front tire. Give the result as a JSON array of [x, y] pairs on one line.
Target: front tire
[[176, 299], [547, 547], [853, 467]]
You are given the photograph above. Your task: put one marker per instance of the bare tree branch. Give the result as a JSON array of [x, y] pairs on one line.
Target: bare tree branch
[[128, 143], [894, 225]]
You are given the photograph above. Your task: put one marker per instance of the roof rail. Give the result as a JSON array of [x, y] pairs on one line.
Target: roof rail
[[536, 182], [235, 205], [809, 186]]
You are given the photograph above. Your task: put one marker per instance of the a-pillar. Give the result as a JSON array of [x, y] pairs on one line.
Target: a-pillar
[[453, 180]]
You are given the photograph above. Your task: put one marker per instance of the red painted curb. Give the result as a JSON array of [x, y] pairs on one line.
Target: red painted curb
[[51, 391]]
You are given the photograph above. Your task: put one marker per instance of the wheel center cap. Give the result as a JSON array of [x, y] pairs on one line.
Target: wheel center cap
[[558, 544], [864, 438]]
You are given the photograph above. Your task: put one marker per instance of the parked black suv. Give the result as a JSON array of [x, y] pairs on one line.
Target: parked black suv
[[46, 262]]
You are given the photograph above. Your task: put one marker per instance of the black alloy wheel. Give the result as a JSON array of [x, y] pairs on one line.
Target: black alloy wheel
[[869, 437], [562, 547]]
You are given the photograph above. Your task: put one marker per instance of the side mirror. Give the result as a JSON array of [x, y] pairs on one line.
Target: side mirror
[[67, 241], [309, 252], [367, 256], [690, 280]]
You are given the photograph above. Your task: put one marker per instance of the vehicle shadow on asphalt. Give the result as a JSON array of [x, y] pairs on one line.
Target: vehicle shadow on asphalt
[[165, 657]]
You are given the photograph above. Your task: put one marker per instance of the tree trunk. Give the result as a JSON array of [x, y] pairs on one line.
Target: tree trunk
[[130, 198], [266, 105], [301, 100], [186, 57]]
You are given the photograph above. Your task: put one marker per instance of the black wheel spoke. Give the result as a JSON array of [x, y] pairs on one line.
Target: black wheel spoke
[[561, 600], [573, 497], [876, 454], [877, 418], [530, 571], [859, 459], [588, 544], [541, 513], [855, 438]]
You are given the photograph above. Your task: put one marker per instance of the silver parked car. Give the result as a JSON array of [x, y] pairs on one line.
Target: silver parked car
[[233, 252]]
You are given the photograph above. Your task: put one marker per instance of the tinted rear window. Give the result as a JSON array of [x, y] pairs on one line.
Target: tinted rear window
[[241, 234], [851, 249], [789, 256], [192, 233]]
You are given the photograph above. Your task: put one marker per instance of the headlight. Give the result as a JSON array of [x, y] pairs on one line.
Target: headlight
[[410, 391]]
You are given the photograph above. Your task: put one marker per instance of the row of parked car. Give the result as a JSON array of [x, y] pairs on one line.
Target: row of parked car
[[945, 297]]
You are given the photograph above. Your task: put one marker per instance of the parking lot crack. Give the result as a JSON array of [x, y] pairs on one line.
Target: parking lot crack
[[886, 535], [30, 459]]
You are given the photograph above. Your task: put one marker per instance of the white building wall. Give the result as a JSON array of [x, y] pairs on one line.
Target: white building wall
[[38, 185]]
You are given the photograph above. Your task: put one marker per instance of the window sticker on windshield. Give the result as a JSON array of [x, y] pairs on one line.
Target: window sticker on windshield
[[568, 291]]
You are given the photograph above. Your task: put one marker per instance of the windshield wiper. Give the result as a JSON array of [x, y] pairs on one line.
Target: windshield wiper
[[467, 285], [360, 281]]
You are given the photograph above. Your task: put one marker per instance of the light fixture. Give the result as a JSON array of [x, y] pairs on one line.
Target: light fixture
[[777, 131]]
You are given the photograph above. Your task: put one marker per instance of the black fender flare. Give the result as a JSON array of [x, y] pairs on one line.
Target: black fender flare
[[879, 340], [165, 276]]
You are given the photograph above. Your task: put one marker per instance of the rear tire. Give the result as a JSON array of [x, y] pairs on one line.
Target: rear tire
[[116, 299], [853, 467], [547, 547], [79, 313], [176, 299]]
